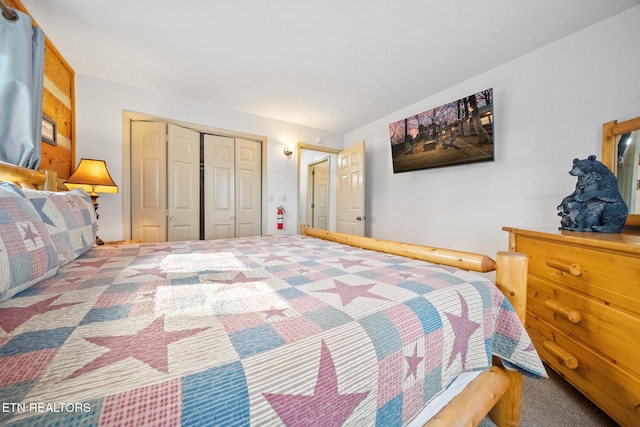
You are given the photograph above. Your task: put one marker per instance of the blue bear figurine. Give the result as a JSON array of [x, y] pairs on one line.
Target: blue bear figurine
[[596, 204]]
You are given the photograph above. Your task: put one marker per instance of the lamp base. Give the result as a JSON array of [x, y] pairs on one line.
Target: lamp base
[[94, 198]]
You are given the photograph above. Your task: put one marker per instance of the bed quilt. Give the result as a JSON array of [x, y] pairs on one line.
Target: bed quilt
[[259, 331]]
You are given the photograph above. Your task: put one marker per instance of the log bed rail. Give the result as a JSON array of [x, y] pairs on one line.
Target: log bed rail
[[463, 260], [496, 391]]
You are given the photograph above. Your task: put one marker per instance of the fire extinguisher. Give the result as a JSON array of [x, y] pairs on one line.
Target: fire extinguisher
[[280, 218]]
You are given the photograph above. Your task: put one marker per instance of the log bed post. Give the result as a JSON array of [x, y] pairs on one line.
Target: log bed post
[[511, 279]]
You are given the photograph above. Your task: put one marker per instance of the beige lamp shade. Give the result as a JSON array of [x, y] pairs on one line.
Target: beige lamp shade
[[93, 176]]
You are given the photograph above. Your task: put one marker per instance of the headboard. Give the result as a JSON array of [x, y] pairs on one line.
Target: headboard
[[30, 178]]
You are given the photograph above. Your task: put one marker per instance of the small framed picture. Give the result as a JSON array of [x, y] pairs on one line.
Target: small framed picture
[[48, 130]]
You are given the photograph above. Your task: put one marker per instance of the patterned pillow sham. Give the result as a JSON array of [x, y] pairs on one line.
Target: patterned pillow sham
[[27, 254], [70, 219]]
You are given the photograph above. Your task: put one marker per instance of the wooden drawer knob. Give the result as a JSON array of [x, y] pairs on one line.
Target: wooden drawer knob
[[565, 357], [565, 311], [565, 266]]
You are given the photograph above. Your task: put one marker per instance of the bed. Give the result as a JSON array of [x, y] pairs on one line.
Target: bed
[[317, 328]]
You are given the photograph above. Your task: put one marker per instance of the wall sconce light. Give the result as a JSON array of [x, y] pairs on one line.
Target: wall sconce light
[[288, 152]]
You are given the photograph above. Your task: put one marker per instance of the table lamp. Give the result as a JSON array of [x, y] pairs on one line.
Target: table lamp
[[92, 175]]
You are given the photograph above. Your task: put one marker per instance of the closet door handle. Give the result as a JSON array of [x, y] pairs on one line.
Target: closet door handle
[[572, 268], [562, 310], [568, 359]]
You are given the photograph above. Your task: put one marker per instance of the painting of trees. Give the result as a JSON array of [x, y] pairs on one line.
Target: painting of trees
[[459, 132]]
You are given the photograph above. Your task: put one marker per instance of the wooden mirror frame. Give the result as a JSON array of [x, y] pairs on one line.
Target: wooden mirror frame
[[610, 132]]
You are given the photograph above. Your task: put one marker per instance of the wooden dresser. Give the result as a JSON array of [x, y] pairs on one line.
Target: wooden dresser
[[583, 312]]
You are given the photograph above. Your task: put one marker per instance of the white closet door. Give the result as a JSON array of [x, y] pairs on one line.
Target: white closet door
[[351, 190], [148, 181], [219, 187], [165, 180], [248, 171], [320, 193], [183, 177]]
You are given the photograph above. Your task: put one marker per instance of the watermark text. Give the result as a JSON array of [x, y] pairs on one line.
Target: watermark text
[[41, 407]]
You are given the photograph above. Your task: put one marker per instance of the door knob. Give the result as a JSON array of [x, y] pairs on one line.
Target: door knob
[[358, 218], [171, 217]]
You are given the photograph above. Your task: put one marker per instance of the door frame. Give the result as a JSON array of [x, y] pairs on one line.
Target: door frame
[[130, 116], [304, 146]]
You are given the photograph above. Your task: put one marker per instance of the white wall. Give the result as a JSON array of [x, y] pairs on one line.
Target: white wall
[[549, 109], [99, 113]]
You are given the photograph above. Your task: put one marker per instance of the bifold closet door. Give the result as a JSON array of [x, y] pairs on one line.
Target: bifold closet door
[[248, 188], [183, 178], [165, 182], [149, 181], [232, 187], [219, 187]]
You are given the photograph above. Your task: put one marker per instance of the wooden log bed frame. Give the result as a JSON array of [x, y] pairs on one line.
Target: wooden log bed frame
[[496, 391]]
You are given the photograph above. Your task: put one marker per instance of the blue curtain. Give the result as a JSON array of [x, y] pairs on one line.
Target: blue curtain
[[21, 86]]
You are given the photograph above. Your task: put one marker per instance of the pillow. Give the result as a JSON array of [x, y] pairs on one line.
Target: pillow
[[70, 219], [27, 254]]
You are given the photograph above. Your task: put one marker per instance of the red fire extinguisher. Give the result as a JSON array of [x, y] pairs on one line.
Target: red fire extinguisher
[[280, 218]]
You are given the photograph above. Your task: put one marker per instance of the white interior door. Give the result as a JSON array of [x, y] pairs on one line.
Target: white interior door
[[183, 177], [148, 181], [248, 175], [219, 187], [351, 190], [320, 208]]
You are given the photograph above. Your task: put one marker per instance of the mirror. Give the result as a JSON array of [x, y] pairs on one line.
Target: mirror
[[621, 154]]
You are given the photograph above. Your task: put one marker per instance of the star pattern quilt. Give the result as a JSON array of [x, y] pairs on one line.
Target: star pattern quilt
[[259, 331]]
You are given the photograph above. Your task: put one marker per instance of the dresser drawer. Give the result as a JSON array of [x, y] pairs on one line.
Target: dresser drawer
[[612, 277], [612, 332], [616, 391]]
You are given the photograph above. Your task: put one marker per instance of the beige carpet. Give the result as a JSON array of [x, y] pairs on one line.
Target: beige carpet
[[555, 403]]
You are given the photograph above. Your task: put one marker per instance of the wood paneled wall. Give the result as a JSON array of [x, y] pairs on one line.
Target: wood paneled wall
[[59, 104]]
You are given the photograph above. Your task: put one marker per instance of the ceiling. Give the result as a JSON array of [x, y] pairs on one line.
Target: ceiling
[[328, 64]]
